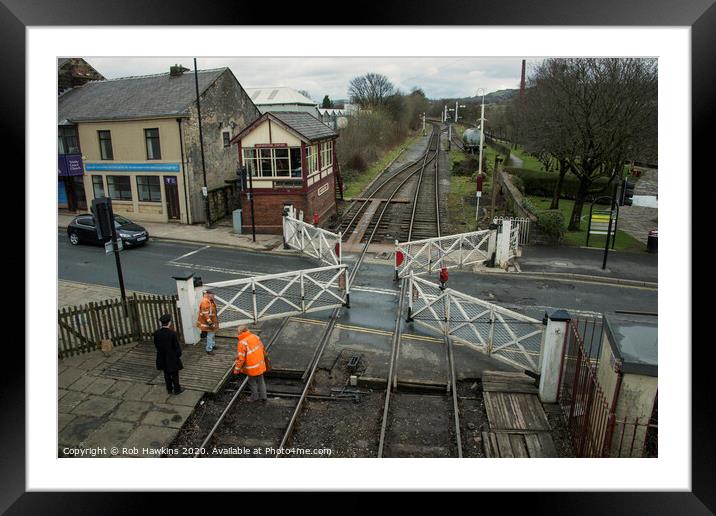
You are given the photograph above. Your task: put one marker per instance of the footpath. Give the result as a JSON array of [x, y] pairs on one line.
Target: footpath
[[583, 263]]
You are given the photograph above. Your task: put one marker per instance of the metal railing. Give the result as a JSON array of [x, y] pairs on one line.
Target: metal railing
[[523, 224]]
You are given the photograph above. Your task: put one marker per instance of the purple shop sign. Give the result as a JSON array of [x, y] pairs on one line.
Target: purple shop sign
[[69, 165]]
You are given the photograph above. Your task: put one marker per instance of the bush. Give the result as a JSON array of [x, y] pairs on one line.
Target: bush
[[552, 224], [356, 162], [465, 167], [542, 184]]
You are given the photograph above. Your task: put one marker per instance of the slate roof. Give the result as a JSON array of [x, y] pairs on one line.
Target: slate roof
[[305, 124], [129, 98]]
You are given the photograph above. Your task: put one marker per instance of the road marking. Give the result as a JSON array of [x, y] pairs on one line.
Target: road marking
[[190, 253]]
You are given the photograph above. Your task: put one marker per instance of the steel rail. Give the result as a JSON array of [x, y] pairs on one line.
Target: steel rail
[[394, 378]]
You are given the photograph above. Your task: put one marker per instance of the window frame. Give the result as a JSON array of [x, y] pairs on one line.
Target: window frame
[[226, 136], [148, 139], [109, 192], [150, 189], [101, 148], [62, 139], [94, 185], [255, 159]]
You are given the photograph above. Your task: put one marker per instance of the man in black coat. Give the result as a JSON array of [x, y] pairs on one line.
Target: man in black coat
[[168, 353]]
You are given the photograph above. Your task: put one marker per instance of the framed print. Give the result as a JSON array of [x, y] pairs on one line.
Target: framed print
[[426, 240]]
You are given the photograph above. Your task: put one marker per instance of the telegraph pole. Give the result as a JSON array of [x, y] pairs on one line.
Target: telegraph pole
[[205, 190], [482, 130]]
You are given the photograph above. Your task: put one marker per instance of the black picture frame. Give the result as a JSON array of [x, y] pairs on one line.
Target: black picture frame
[[700, 15]]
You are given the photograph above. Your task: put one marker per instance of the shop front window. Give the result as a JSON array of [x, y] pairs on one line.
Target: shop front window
[[119, 188]]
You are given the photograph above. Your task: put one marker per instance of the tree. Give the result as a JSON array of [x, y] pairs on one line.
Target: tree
[[370, 90], [327, 103], [591, 115]]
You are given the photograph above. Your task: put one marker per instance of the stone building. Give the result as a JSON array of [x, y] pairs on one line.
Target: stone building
[[140, 145]]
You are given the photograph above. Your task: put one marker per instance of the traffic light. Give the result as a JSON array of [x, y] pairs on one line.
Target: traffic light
[[103, 217], [627, 193]]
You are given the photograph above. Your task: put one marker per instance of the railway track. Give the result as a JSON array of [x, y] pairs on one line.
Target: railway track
[[419, 425], [393, 219], [272, 426]]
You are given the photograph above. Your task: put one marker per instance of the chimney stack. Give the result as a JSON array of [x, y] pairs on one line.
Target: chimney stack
[[522, 79], [177, 70]]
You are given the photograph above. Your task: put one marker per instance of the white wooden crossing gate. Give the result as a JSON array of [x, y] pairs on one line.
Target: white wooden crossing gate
[[313, 241], [430, 254], [258, 298], [496, 331]]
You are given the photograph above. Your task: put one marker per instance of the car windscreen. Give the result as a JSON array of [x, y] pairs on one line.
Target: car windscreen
[[121, 221]]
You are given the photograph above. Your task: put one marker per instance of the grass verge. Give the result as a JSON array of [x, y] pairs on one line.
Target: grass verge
[[624, 241], [355, 183]]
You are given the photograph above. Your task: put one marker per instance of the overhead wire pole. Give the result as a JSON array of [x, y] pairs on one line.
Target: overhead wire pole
[[205, 191]]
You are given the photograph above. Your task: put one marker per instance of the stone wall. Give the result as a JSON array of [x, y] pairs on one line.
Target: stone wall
[[223, 103]]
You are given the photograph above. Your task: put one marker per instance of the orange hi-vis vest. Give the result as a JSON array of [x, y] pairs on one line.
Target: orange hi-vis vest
[[207, 320], [250, 355]]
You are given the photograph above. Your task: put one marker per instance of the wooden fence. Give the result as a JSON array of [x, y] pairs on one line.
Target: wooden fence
[[82, 328]]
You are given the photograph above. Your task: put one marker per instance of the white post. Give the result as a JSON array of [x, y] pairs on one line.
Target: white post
[[503, 244], [477, 207], [423, 124], [482, 132], [188, 307], [552, 350], [492, 241]]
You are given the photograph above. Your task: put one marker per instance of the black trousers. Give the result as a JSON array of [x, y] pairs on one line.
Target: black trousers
[[172, 381]]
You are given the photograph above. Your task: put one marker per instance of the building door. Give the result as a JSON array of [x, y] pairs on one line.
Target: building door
[[171, 191], [78, 188]]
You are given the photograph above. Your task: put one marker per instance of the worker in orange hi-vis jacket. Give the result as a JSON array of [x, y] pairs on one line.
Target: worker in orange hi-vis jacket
[[208, 320], [251, 360]]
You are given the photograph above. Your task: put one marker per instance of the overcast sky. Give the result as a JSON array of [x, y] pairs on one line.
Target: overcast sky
[[439, 77]]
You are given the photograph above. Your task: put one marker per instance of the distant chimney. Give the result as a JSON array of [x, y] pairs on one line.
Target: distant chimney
[[522, 79], [177, 70]]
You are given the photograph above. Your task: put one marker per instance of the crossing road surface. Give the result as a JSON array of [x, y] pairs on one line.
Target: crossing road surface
[[150, 269]]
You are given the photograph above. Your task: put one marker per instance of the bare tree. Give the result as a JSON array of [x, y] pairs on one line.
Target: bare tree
[[591, 115], [370, 90]]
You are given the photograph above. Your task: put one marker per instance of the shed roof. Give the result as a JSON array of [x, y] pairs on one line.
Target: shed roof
[[277, 95], [634, 340], [303, 124], [143, 96]]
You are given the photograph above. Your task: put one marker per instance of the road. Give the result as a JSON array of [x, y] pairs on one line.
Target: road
[[150, 269]]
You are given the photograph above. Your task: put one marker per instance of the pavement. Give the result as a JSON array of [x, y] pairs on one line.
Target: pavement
[[639, 220], [567, 262], [73, 293], [115, 417]]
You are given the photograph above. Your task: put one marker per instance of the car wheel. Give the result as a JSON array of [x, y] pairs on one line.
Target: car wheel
[[74, 238]]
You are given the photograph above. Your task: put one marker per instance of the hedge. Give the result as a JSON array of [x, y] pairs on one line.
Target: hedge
[[552, 224], [542, 184]]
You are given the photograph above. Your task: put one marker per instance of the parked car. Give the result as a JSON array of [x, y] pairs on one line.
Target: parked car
[[82, 231]]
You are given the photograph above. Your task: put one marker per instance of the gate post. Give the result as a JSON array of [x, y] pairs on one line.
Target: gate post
[[503, 244], [492, 244], [553, 340], [187, 307]]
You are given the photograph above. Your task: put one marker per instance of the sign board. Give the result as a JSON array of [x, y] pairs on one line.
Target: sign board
[[108, 248], [322, 190], [133, 167]]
